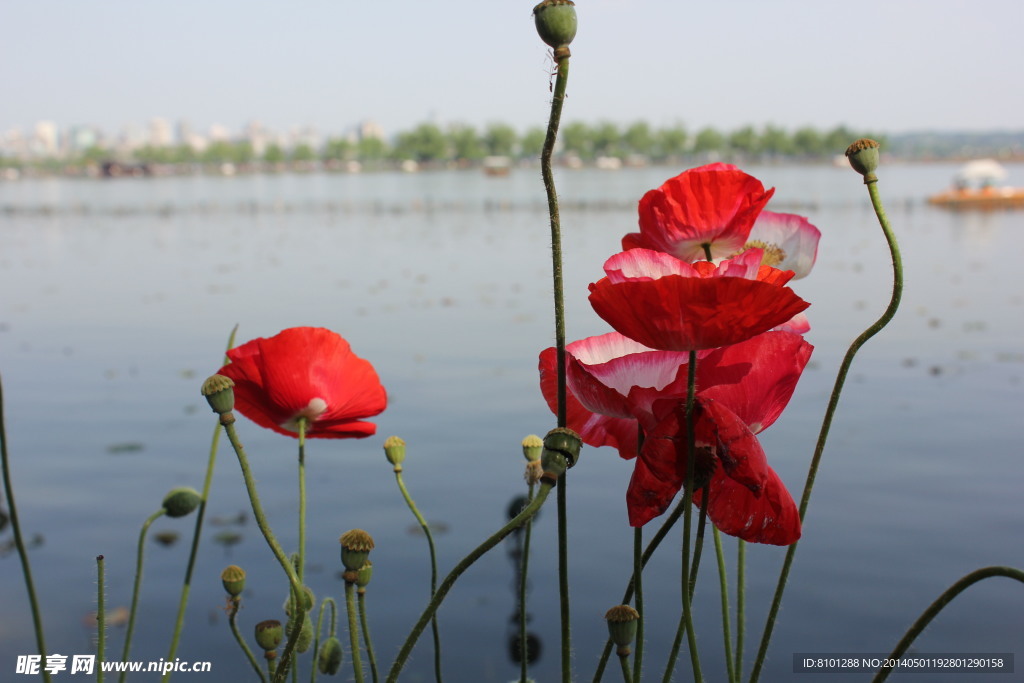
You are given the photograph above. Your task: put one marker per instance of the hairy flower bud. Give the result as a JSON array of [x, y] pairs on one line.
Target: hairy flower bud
[[556, 22], [863, 157], [181, 501], [233, 578]]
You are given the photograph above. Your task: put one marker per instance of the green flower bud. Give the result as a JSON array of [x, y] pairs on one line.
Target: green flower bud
[[269, 634], [863, 157], [532, 446], [233, 578], [364, 575], [331, 654], [561, 451], [622, 622], [219, 393], [181, 501], [355, 548], [394, 449], [556, 22]]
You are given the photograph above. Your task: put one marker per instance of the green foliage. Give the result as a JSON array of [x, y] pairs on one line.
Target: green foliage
[[500, 139], [425, 143]]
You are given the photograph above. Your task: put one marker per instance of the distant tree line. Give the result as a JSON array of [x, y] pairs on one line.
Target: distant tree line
[[463, 144]]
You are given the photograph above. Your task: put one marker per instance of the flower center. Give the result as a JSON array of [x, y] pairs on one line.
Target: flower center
[[316, 408], [773, 254]]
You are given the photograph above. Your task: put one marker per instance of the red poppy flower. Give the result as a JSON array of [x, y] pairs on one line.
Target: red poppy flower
[[305, 372], [613, 383], [714, 205], [746, 498], [665, 303]]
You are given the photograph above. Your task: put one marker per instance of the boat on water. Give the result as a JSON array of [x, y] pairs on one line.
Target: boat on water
[[976, 187]]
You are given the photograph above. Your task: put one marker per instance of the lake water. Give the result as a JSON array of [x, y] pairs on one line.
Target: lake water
[[117, 302]]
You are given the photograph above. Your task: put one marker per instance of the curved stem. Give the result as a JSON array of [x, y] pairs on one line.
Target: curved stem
[[433, 568], [933, 610], [361, 597], [833, 403], [442, 590], [261, 521], [233, 623], [186, 586], [19, 541], [327, 602], [135, 590]]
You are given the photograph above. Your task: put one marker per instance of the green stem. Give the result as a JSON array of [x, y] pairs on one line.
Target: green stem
[[442, 590], [361, 596], [261, 521], [433, 567], [327, 602], [558, 98], [135, 589], [833, 403], [524, 562], [659, 536], [741, 595], [691, 450], [353, 631], [301, 564], [101, 618], [638, 586], [723, 588], [19, 541], [686, 618], [186, 586], [233, 623], [624, 661], [937, 606]]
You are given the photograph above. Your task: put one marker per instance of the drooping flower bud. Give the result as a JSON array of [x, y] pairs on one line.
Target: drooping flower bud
[[355, 549], [181, 501], [269, 634], [532, 447], [233, 578], [394, 449], [219, 393], [622, 623], [331, 654], [561, 451], [556, 22], [863, 156]]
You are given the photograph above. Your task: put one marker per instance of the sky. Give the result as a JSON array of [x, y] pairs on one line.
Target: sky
[[884, 66]]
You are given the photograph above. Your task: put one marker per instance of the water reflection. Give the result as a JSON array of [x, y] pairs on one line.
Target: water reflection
[[515, 545]]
